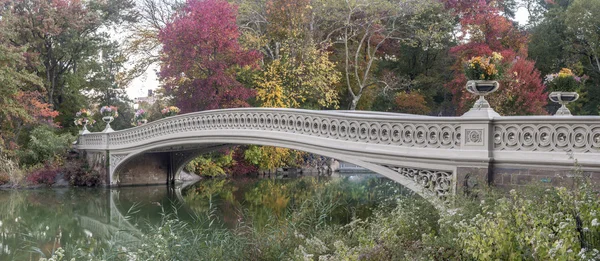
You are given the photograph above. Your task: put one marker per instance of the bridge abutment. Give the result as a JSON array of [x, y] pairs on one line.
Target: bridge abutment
[[97, 160]]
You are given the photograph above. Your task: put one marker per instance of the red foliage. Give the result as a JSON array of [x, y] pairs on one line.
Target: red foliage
[[241, 166], [45, 175], [488, 31], [201, 52]]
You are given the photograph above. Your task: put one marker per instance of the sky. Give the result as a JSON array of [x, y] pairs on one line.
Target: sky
[[148, 81]]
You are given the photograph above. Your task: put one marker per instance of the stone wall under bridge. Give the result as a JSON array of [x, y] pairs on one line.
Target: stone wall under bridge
[[433, 156]]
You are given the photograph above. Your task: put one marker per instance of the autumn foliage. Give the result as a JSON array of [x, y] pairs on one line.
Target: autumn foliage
[[201, 54], [484, 31], [412, 102]]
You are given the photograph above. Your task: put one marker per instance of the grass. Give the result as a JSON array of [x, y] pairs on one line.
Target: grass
[[533, 223]]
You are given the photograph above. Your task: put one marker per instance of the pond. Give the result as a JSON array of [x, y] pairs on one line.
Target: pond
[[34, 223]]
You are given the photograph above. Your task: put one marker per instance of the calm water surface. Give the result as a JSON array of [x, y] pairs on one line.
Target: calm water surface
[[35, 222]]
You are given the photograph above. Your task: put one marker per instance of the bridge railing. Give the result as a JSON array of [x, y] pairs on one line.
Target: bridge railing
[[547, 133], [379, 128], [547, 140], [578, 134]]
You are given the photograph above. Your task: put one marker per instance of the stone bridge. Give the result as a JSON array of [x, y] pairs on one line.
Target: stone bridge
[[433, 156]]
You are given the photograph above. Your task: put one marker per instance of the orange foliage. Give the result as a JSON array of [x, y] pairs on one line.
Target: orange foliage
[[40, 111], [412, 102]]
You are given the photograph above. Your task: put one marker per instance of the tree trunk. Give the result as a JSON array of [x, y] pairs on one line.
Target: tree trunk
[[354, 103]]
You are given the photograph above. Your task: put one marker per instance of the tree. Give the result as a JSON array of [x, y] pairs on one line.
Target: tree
[[61, 34], [60, 39], [288, 82], [142, 43], [200, 56], [297, 72], [565, 36], [412, 102], [19, 106], [550, 42], [485, 30], [360, 29]]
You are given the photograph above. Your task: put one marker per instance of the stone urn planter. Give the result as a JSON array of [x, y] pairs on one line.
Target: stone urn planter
[[563, 98], [481, 106], [108, 120], [482, 88]]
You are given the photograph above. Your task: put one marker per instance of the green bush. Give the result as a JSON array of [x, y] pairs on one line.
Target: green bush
[[211, 165], [535, 223], [388, 235], [44, 146]]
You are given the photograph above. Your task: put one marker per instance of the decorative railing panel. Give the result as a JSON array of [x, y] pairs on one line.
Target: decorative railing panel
[[547, 134], [437, 182], [93, 139]]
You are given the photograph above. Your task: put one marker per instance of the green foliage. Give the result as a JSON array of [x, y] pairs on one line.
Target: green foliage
[[565, 35], [531, 226], [177, 240], [14, 78], [44, 146], [211, 165], [269, 158], [564, 84], [386, 236]]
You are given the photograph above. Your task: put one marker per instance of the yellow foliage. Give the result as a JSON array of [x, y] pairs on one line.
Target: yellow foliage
[[307, 81], [273, 157]]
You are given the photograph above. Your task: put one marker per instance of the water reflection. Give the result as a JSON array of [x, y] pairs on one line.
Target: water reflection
[[35, 223]]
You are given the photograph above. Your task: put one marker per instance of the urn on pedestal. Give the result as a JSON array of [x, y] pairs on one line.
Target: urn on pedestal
[[482, 72], [564, 86], [82, 118], [109, 114]]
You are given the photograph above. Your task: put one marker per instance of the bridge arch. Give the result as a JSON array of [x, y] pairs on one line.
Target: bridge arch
[[436, 186]]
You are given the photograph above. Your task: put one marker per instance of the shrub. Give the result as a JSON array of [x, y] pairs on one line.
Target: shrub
[[10, 169], [44, 146], [79, 173], [46, 175], [4, 178], [211, 165], [240, 165]]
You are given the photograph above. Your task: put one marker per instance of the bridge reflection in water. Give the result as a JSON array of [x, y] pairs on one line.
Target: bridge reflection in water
[[39, 221], [120, 214]]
